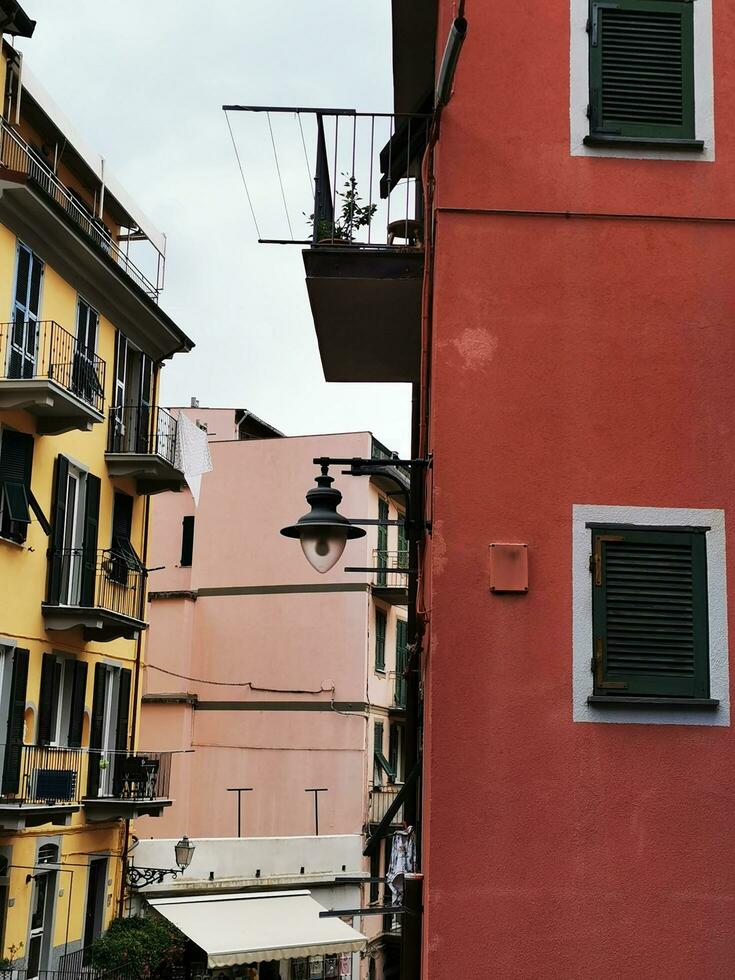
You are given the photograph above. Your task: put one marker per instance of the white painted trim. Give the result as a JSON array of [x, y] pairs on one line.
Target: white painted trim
[[582, 613], [704, 97]]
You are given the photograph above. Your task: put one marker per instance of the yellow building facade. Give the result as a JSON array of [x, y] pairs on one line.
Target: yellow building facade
[[83, 444]]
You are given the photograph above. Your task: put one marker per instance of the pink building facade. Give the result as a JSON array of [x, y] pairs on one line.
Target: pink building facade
[[262, 673]]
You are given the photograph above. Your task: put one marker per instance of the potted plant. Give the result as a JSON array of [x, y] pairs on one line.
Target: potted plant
[[352, 216]]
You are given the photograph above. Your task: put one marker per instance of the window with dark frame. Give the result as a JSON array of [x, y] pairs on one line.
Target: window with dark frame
[[650, 613], [381, 623], [642, 72], [187, 541]]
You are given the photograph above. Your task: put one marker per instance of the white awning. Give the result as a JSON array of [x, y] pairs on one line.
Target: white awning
[[235, 929]]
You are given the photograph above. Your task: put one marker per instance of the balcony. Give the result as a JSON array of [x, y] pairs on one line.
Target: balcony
[[103, 597], [56, 223], [40, 785], [364, 231], [390, 582], [44, 370], [141, 445], [381, 799], [127, 785], [399, 692]]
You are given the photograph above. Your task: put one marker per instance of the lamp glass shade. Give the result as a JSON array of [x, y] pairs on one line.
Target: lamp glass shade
[[323, 545], [184, 853]]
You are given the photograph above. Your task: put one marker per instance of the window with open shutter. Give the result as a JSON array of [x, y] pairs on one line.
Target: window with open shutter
[[641, 70], [650, 617], [17, 501], [380, 627]]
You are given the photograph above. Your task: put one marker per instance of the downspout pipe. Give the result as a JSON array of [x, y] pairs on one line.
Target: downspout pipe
[[445, 79]]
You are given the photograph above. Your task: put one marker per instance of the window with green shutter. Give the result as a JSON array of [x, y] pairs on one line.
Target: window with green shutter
[[649, 610], [380, 627], [642, 71]]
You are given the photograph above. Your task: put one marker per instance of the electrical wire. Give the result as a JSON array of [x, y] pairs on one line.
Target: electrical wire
[[247, 684], [306, 155], [242, 174], [278, 170]]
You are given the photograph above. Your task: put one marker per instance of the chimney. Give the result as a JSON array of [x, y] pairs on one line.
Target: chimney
[[195, 403]]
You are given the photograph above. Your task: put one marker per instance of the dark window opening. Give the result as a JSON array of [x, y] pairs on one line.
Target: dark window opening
[[187, 541]]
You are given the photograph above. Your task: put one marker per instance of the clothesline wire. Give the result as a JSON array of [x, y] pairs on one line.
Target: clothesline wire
[[278, 171], [242, 174], [306, 155]]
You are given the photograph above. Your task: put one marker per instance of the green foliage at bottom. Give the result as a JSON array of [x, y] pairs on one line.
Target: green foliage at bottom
[[146, 947]]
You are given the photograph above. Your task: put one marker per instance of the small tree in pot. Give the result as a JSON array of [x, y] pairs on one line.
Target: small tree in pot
[[353, 216]]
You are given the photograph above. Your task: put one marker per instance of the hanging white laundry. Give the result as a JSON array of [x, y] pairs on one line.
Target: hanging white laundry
[[192, 454], [402, 862]]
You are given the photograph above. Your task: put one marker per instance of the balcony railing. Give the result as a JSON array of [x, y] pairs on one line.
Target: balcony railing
[[142, 430], [130, 776], [41, 774], [381, 799], [362, 171], [18, 156], [399, 689], [113, 582], [393, 562], [41, 349]]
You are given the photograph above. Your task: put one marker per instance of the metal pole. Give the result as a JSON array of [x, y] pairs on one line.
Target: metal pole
[[239, 790], [316, 793]]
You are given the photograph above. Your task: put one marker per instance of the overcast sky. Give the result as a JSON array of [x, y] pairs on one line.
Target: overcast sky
[[144, 82]]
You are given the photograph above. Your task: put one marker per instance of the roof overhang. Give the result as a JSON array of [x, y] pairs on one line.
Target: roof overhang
[[414, 52], [237, 929], [14, 20]]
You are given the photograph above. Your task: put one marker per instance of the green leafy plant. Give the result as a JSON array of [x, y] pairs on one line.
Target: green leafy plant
[[8, 962], [352, 216], [146, 947]]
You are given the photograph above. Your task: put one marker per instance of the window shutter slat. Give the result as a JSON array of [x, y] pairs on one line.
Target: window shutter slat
[[642, 69], [380, 629], [89, 545], [58, 517], [96, 729], [49, 691], [121, 741], [650, 613], [16, 722]]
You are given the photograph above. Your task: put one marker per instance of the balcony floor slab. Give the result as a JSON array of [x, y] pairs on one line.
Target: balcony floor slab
[[102, 808], [153, 474], [58, 410], [97, 624], [20, 816]]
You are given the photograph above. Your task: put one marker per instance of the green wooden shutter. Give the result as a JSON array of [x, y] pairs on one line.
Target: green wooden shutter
[[401, 635], [58, 518], [89, 543], [76, 713], [95, 730], [649, 604], [121, 736], [382, 540], [16, 720], [48, 698], [380, 627], [642, 69], [187, 541]]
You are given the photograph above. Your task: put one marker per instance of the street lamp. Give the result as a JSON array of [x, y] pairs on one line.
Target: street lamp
[[323, 532], [140, 877]]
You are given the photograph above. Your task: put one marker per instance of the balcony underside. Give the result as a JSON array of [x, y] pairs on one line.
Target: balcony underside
[[153, 474], [366, 305], [96, 624], [394, 595], [98, 809], [15, 817], [57, 409], [49, 231]]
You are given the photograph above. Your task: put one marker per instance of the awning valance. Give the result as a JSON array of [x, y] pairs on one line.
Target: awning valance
[[235, 929]]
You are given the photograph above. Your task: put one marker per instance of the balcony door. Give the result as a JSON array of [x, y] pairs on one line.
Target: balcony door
[[109, 729], [72, 560], [85, 381], [132, 415], [24, 327], [95, 911], [42, 912]]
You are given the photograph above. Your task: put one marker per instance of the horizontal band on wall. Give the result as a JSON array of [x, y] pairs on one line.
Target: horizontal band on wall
[[355, 707], [235, 590]]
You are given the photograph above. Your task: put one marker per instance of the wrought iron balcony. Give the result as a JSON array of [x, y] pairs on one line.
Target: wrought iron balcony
[[127, 784], [399, 690], [104, 594], [361, 221], [44, 370], [381, 799], [40, 784], [17, 156], [390, 582], [142, 444]]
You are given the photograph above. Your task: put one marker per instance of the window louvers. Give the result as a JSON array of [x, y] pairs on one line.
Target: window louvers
[[650, 613], [642, 69]]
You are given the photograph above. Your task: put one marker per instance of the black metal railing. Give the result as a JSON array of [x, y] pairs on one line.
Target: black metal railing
[[350, 178], [70, 972], [108, 580], [41, 774], [393, 568], [142, 430], [34, 349], [134, 776], [19, 156]]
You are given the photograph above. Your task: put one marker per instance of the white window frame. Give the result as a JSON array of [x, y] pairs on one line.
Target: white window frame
[[582, 635], [704, 96]]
